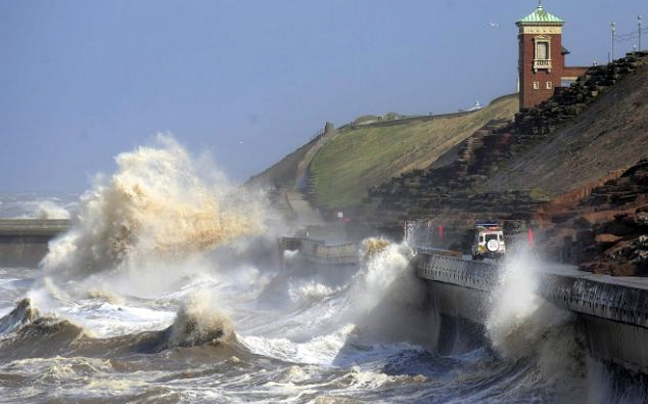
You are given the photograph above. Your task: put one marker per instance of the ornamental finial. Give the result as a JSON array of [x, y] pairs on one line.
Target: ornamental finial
[[539, 3]]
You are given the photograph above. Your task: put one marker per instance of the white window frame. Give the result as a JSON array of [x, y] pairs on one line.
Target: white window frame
[[544, 63]]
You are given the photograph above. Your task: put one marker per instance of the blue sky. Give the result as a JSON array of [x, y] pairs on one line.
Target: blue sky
[[249, 81]]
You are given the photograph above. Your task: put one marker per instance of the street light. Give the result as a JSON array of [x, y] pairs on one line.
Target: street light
[[639, 20], [613, 26]]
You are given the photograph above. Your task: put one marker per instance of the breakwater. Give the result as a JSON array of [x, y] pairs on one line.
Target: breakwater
[[23, 242], [611, 312]]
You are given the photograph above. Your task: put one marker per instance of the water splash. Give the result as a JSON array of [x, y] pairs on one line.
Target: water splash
[[373, 246], [387, 297], [522, 325], [50, 210], [200, 322], [157, 207], [511, 323], [387, 274], [38, 206], [310, 291]]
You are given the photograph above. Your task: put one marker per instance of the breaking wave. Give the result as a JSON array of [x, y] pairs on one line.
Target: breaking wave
[[158, 207], [50, 210], [387, 298], [38, 206], [198, 322], [521, 325], [372, 246], [22, 314], [27, 333], [311, 291], [387, 274]]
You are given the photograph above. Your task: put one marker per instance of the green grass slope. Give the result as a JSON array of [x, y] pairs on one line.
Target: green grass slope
[[360, 158]]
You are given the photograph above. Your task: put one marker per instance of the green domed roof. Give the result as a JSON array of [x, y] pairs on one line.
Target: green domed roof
[[540, 16]]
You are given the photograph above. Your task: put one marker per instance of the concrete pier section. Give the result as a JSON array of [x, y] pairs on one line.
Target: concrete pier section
[[612, 312], [23, 242], [318, 252]]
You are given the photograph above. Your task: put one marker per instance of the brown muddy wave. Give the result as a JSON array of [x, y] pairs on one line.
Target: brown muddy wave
[[34, 335], [158, 207]]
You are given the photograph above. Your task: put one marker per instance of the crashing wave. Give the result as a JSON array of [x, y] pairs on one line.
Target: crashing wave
[[49, 326], [155, 209], [29, 334], [373, 246], [27, 323], [199, 323], [50, 210], [311, 291], [520, 325], [22, 314]]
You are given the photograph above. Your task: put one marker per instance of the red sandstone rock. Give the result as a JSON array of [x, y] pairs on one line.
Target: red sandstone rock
[[607, 238]]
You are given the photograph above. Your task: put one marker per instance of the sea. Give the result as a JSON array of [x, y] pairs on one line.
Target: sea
[[168, 289]]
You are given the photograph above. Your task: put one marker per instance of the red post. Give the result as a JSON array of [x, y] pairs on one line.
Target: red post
[[440, 232], [530, 236]]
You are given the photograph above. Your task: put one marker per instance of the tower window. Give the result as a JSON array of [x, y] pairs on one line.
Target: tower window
[[536, 85], [549, 85], [542, 59], [542, 50]]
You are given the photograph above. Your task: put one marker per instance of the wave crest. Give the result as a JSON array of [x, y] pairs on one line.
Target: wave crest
[[22, 314], [198, 322], [373, 246], [157, 207]]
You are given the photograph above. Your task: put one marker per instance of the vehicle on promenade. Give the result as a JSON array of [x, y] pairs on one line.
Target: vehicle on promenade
[[489, 241]]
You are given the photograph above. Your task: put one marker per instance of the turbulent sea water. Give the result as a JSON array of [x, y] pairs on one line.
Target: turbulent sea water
[[166, 290], [37, 206]]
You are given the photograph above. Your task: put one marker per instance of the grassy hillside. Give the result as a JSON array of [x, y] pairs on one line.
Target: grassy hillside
[[359, 158], [284, 172]]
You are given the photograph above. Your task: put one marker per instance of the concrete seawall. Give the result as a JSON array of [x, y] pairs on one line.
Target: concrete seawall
[[23, 243], [611, 312], [318, 252]]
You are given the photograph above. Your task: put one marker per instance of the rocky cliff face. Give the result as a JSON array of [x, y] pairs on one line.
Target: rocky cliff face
[[609, 133], [610, 225]]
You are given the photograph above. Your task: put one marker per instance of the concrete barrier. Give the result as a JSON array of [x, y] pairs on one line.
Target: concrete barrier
[[23, 242], [319, 253], [611, 312]]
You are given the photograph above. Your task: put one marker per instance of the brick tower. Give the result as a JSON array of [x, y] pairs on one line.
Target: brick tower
[[542, 58]]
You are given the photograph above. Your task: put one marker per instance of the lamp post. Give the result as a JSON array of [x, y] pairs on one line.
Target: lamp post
[[639, 20], [613, 26]]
